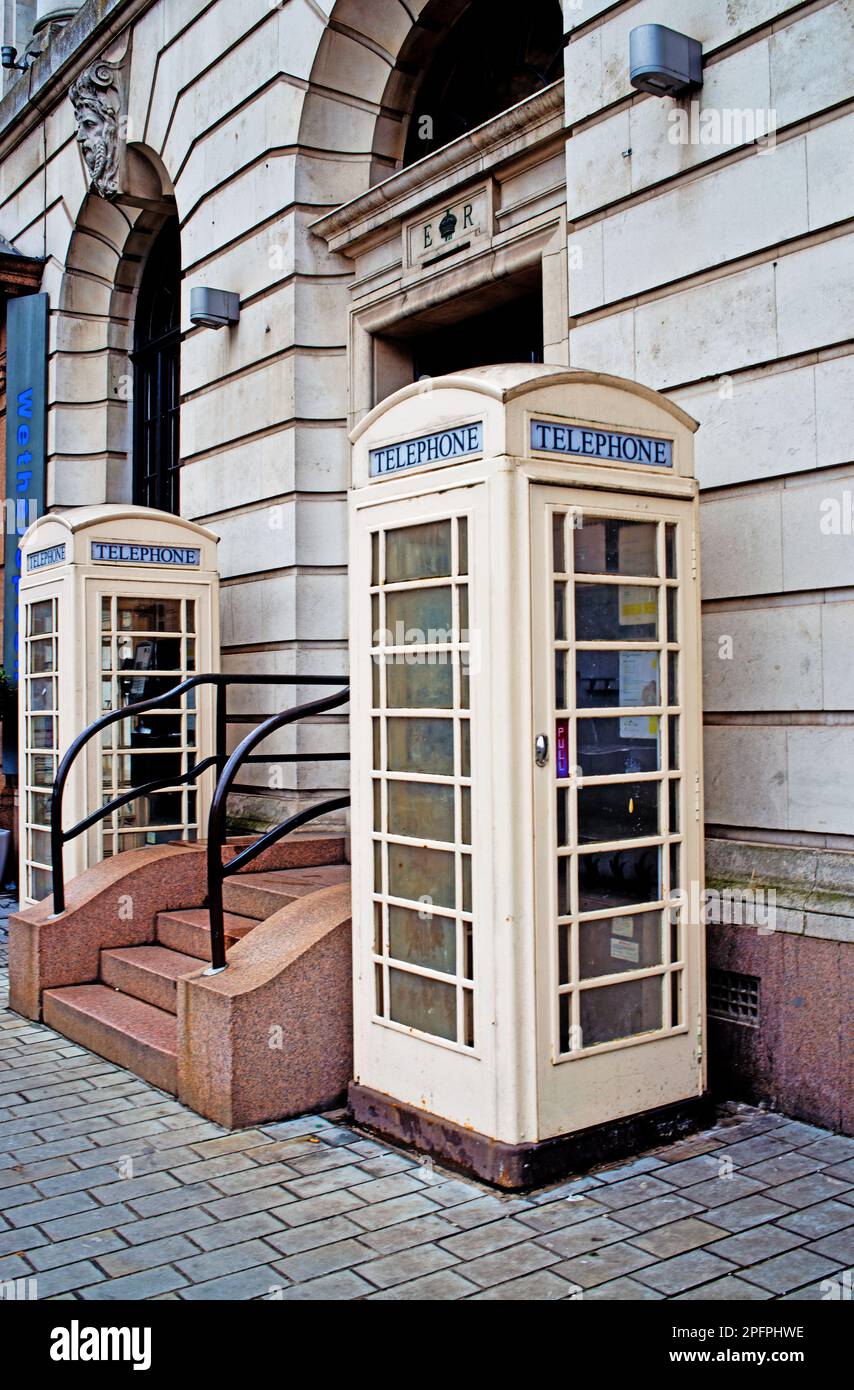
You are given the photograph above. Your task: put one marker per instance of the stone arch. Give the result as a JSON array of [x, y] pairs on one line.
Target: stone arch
[[362, 91], [91, 458]]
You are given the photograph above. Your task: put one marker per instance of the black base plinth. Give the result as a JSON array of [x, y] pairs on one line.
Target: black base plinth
[[517, 1167]]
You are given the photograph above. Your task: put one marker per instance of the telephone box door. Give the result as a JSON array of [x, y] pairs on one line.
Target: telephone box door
[[618, 832]]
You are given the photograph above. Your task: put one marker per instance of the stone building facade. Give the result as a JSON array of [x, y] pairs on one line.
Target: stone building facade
[[306, 154]]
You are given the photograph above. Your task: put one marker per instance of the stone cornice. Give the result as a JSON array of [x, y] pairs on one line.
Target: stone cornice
[[538, 117], [69, 51]]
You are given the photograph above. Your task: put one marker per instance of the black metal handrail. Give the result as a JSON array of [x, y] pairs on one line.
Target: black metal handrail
[[220, 681], [218, 869]]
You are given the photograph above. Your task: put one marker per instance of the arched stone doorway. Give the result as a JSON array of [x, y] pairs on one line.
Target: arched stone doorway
[[92, 403]]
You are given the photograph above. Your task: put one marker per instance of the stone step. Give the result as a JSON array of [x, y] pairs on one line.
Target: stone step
[[149, 973], [126, 1031], [188, 931], [296, 851], [260, 895]]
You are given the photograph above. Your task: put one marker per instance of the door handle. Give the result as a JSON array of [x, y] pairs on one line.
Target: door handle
[[541, 750]]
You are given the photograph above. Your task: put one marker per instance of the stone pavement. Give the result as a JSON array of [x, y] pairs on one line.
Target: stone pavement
[[110, 1189]]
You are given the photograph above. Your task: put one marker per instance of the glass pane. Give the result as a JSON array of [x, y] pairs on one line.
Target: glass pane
[[41, 655], [564, 895], [619, 878], [375, 558], [564, 938], [40, 846], [565, 1016], [560, 679], [378, 866], [673, 741], [39, 808], [463, 546], [675, 822], [670, 550], [620, 1011], [562, 816], [42, 693], [672, 678], [463, 592], [465, 865], [675, 874], [378, 805], [616, 746], [607, 679], [149, 615], [465, 684], [423, 940], [676, 998], [616, 944], [40, 617], [605, 545], [418, 616], [468, 951], [41, 883], [560, 613], [468, 1017], [421, 809], [378, 976], [422, 875], [42, 731], [616, 612], [672, 626], [419, 685], [465, 748], [41, 769], [427, 1005], [421, 745], [465, 815], [618, 811], [558, 549], [418, 552]]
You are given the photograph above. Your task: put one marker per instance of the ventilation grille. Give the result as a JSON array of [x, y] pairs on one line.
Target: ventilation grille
[[733, 997]]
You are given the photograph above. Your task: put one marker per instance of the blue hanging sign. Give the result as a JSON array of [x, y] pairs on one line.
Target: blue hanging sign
[[26, 439]]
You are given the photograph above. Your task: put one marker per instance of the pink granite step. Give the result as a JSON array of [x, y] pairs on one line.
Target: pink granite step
[[149, 973], [126, 1031], [189, 930], [260, 895], [295, 851]]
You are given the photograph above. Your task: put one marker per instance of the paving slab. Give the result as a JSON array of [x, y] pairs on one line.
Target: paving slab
[[110, 1190]]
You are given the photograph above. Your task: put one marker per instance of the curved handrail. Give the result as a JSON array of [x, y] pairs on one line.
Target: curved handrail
[[59, 837], [219, 871], [220, 681]]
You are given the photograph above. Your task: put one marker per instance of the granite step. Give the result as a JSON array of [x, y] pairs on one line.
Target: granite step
[[188, 931], [260, 895], [149, 973], [125, 1030]]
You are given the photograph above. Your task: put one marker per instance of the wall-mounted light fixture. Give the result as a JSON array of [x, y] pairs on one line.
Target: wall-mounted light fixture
[[214, 308], [8, 56], [663, 62]]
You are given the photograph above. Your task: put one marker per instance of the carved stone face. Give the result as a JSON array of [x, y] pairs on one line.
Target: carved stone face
[[96, 106], [92, 139]]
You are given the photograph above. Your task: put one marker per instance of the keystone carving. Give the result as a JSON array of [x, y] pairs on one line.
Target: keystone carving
[[96, 96]]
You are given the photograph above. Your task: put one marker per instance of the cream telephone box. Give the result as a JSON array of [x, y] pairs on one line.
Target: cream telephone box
[[117, 604], [526, 770]]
